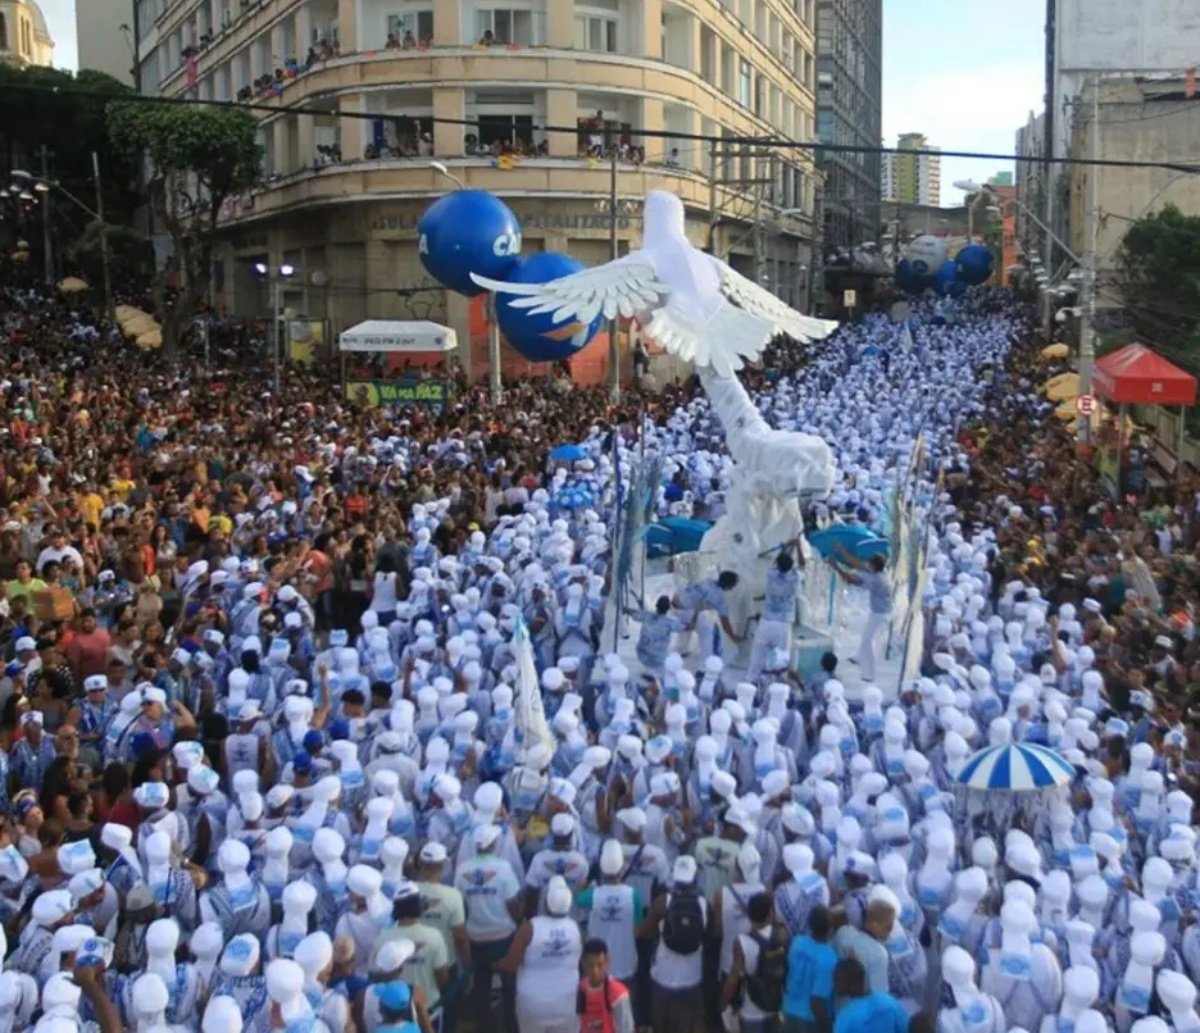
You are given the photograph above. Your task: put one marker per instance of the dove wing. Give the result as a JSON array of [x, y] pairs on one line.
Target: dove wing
[[784, 319], [623, 287]]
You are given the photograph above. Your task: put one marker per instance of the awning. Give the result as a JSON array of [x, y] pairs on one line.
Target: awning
[[1135, 374], [385, 335]]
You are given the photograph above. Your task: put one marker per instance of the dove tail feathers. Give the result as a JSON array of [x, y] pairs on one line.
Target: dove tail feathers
[[500, 287], [722, 341]]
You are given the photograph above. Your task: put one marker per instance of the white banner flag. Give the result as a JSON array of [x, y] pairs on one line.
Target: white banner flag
[[529, 714]]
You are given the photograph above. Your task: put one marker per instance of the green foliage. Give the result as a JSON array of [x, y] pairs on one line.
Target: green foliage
[[1159, 277], [65, 113], [215, 146], [197, 157], [129, 253]]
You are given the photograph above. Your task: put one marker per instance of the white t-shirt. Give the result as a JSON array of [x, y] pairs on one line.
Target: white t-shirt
[[384, 598], [750, 955], [49, 553], [487, 884]]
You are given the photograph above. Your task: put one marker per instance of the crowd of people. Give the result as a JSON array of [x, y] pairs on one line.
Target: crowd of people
[[309, 720]]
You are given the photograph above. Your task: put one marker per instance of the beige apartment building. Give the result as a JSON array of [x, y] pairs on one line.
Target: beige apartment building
[[520, 97]]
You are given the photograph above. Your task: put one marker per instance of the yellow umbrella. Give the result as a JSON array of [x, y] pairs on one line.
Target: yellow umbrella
[[124, 312], [1067, 410], [150, 339], [1056, 351], [20, 256], [1063, 388], [73, 285], [140, 325]]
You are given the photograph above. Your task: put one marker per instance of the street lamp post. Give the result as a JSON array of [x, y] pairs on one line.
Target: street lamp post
[[276, 277], [44, 186]]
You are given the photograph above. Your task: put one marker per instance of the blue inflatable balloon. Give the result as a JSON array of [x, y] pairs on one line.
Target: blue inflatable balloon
[[539, 338], [974, 264], [908, 279], [947, 281], [468, 231]]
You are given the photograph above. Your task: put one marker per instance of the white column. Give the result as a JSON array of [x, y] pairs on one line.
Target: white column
[[303, 31]]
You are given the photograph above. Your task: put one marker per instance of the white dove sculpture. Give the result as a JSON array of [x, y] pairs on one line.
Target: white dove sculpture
[[690, 303]]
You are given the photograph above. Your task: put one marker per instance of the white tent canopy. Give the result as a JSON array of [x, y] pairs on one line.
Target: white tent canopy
[[387, 335]]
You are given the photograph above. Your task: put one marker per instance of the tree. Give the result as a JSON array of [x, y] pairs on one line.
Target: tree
[[1158, 272], [197, 158], [65, 114], [129, 252]]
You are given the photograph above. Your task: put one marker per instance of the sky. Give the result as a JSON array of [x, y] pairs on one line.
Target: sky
[[964, 73], [60, 19]]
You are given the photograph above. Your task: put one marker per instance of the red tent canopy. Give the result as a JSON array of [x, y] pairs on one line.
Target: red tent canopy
[[1138, 375]]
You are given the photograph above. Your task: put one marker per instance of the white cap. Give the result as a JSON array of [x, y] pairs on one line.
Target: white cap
[[558, 897], [222, 1014], [612, 858], [683, 873]]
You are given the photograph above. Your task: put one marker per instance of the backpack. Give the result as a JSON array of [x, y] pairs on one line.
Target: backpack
[[765, 987], [581, 998], [683, 924]]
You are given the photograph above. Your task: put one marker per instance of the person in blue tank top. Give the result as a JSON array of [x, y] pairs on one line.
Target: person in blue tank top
[[860, 1011], [808, 993]]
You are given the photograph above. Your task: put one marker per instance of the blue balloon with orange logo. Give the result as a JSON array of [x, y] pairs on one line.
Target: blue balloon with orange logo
[[539, 338], [465, 232]]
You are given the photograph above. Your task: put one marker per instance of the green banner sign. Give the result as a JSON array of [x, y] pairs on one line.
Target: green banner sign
[[398, 392]]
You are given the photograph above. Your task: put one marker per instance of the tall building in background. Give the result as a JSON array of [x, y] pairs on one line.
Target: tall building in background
[[104, 36], [1131, 60], [357, 99], [850, 112], [913, 178], [24, 36], [1030, 182]]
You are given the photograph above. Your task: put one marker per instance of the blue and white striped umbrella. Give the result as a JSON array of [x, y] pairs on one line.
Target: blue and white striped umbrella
[[1015, 768]]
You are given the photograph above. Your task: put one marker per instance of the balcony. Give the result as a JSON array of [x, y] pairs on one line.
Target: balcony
[[538, 68], [390, 178]]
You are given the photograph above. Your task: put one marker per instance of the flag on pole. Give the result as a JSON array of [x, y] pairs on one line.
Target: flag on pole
[[906, 341], [529, 715]]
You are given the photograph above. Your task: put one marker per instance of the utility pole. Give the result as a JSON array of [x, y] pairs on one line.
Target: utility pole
[[1049, 147], [712, 198], [1087, 341], [614, 350], [44, 154], [760, 234], [277, 336], [108, 295], [816, 263]]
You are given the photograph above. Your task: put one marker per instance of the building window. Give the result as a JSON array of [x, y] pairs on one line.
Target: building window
[[825, 126], [506, 132], [3, 33], [414, 28], [596, 32], [744, 84], [504, 26]]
